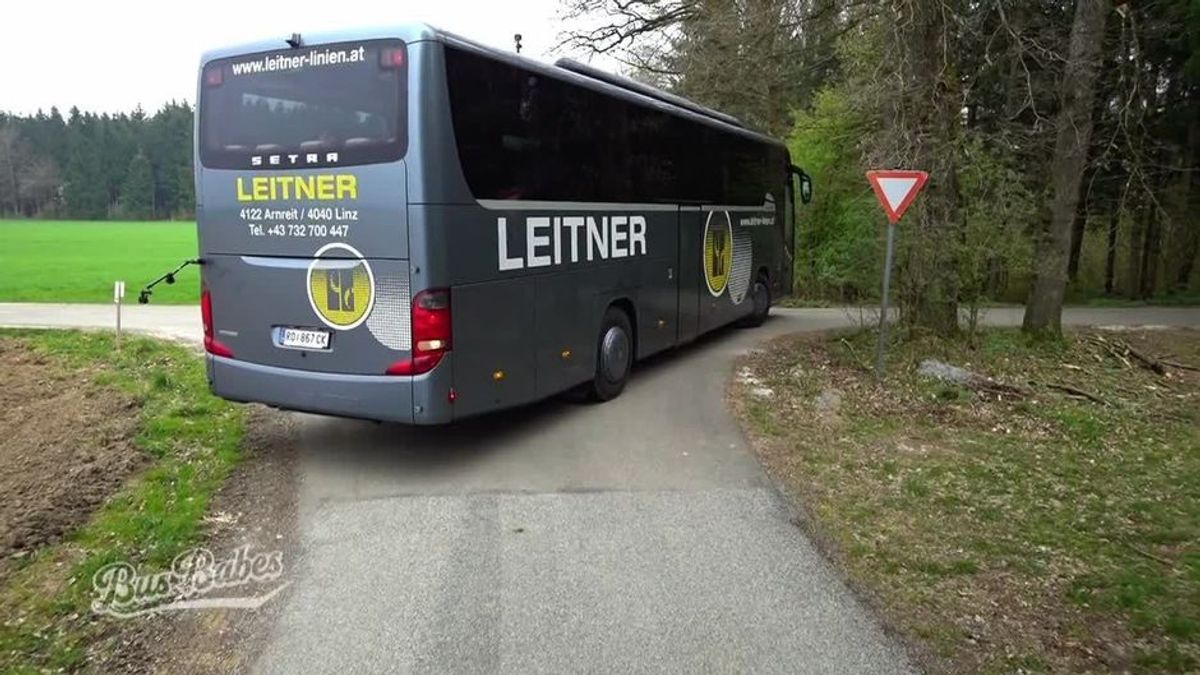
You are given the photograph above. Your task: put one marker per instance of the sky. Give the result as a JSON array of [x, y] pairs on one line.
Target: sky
[[113, 55]]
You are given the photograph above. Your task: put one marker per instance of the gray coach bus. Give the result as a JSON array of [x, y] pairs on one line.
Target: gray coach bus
[[403, 225]]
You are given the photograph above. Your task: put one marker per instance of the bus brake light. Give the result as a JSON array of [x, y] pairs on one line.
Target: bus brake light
[[432, 336], [391, 58], [211, 344]]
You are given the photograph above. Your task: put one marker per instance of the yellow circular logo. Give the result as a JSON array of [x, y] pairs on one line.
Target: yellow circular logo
[[718, 251], [341, 289]]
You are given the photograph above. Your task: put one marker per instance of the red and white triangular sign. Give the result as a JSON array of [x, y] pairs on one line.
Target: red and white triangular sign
[[896, 190]]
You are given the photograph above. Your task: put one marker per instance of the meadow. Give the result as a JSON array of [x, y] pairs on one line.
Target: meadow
[[72, 261]]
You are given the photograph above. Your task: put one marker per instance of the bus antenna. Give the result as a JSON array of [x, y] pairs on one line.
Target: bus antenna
[[517, 42], [295, 41]]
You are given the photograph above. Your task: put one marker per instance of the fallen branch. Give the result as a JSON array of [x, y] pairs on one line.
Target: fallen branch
[[1121, 349], [1076, 391], [990, 385], [1148, 361], [1111, 349], [1176, 364], [1149, 555]]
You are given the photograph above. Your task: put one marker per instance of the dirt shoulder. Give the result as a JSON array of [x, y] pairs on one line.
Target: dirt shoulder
[[120, 459], [1040, 516], [66, 445]]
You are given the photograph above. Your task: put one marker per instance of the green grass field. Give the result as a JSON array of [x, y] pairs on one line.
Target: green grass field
[[63, 261]]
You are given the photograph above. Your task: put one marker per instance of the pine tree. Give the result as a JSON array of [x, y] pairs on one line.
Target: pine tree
[[137, 190], [84, 188]]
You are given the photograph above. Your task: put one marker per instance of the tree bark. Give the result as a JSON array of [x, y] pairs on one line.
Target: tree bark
[[1110, 259], [1078, 227], [1191, 233], [1043, 313], [1151, 250], [1137, 230]]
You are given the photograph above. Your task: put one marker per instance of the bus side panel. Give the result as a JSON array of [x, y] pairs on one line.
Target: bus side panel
[[658, 287], [565, 330], [691, 276], [493, 345], [728, 253]]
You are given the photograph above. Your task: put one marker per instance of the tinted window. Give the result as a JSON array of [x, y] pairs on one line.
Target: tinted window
[[338, 104], [522, 135]]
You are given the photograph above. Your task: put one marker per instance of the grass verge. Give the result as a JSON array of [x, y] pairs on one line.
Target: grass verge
[[194, 440], [1024, 531], [68, 261]]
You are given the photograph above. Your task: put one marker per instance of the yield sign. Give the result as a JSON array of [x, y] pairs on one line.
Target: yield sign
[[896, 190]]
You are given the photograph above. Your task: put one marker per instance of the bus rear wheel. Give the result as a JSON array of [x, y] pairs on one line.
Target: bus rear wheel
[[614, 355], [760, 295]]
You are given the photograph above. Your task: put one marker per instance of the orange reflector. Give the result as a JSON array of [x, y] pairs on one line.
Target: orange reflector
[[498, 375]]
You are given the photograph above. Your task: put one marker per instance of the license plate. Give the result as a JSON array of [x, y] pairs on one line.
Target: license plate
[[300, 338]]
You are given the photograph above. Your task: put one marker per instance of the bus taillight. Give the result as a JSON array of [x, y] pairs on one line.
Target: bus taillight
[[211, 344], [391, 58], [432, 336]]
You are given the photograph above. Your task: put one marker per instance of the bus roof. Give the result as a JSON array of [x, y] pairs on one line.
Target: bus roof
[[419, 32]]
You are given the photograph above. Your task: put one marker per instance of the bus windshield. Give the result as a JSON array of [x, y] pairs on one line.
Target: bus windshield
[[338, 104]]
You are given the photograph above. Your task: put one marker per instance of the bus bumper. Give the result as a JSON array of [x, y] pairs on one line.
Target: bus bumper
[[384, 398]]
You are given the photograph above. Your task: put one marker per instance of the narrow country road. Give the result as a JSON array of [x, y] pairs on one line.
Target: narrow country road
[[635, 536]]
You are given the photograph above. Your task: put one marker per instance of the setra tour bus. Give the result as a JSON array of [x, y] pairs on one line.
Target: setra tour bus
[[402, 225]]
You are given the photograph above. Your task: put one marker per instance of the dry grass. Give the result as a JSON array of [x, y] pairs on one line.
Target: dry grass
[[1027, 531]]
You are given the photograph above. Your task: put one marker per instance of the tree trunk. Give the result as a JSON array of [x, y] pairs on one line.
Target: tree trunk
[[923, 127], [1191, 230], [1151, 250], [1183, 277], [1137, 229], [1074, 129], [1078, 227], [1110, 259]]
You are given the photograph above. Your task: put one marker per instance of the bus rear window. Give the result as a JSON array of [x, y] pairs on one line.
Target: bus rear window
[[330, 105]]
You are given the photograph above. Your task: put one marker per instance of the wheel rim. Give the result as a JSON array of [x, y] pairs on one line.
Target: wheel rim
[[614, 354]]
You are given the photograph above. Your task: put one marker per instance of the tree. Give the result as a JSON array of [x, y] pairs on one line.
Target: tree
[[742, 57], [84, 189], [921, 102], [13, 157], [137, 190], [1043, 313], [40, 186]]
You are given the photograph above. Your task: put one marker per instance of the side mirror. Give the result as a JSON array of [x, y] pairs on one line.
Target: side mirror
[[805, 188], [806, 184]]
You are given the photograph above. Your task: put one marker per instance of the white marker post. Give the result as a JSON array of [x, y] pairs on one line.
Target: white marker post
[[896, 191], [118, 296]]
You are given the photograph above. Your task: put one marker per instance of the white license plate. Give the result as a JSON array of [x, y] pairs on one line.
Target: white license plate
[[305, 339]]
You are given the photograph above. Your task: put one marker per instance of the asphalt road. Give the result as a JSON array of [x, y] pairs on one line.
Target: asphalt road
[[635, 536]]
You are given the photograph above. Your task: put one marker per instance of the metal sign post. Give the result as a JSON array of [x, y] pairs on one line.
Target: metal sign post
[[896, 191], [118, 296], [883, 311]]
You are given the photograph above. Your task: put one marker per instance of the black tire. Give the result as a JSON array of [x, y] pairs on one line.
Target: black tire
[[760, 295], [614, 355]]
